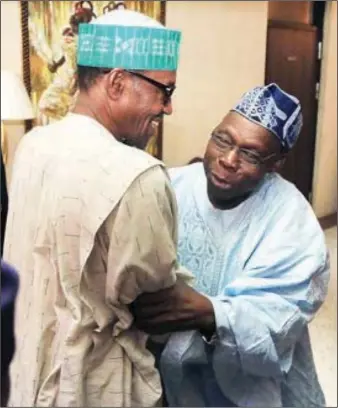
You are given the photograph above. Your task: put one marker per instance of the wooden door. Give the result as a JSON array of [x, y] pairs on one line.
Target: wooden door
[[292, 63]]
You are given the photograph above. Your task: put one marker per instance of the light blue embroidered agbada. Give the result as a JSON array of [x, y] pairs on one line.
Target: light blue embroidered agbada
[[264, 265]]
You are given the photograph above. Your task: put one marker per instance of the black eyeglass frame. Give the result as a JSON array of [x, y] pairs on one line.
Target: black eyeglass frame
[[167, 90], [243, 154]]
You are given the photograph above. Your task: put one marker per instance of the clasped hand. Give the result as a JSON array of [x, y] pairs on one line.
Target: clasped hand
[[178, 308]]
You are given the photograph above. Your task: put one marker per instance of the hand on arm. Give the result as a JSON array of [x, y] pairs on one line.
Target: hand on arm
[[177, 308]]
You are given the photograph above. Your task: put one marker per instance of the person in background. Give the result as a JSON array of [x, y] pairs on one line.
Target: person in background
[[259, 256], [95, 217], [9, 289], [4, 201]]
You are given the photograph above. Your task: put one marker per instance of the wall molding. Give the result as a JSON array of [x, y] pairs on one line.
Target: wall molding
[[328, 221]]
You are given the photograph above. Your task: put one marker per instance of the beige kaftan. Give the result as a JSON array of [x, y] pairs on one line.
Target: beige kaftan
[[91, 225]]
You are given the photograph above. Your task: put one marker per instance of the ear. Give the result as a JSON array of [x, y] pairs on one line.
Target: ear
[[278, 164], [115, 83]]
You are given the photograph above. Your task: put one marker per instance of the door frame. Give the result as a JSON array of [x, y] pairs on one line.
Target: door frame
[[303, 27]]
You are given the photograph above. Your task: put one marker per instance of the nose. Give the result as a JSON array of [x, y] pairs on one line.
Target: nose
[[168, 108], [229, 159]]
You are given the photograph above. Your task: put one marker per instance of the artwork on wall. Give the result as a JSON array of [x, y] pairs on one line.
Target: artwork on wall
[[49, 30]]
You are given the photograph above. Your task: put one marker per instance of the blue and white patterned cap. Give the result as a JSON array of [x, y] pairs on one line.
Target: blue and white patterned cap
[[128, 39], [277, 111]]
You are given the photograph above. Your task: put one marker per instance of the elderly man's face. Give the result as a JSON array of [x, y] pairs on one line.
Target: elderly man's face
[[238, 156], [146, 103]]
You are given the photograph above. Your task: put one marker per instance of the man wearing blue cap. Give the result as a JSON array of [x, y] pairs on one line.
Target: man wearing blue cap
[[96, 220], [259, 257]]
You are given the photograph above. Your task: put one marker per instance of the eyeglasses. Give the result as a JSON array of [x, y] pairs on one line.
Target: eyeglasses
[[245, 156], [167, 90]]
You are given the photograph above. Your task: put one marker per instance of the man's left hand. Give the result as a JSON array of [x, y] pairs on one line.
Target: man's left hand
[[177, 308]]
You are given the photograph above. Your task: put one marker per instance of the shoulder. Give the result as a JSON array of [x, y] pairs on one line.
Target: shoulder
[[283, 196], [288, 217], [149, 196], [155, 177], [153, 184], [185, 174], [139, 159]]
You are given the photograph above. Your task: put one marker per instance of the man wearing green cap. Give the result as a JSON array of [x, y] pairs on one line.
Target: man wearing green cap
[[96, 221]]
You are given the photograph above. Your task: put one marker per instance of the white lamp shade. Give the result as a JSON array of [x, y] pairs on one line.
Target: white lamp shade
[[15, 102]]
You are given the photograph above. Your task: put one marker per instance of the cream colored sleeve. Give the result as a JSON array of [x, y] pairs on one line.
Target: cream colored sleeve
[[143, 235]]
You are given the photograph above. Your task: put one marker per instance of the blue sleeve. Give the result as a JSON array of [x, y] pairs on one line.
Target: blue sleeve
[[9, 288], [261, 314]]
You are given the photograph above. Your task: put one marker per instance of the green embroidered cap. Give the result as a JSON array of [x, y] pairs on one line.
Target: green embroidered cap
[[103, 44]]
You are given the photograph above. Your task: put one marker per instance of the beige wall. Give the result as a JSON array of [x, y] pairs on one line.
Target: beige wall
[[325, 170], [11, 59], [222, 55], [11, 36]]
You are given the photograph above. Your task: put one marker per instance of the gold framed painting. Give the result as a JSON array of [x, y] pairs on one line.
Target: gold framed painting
[[49, 53]]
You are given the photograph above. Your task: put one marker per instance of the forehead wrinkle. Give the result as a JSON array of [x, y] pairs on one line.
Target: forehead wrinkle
[[246, 133]]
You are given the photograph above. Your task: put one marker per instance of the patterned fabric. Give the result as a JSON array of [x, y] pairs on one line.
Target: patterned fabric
[[130, 40], [90, 241], [266, 272], [269, 106]]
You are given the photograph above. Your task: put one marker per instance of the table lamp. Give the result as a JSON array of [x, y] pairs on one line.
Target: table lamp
[[15, 104]]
